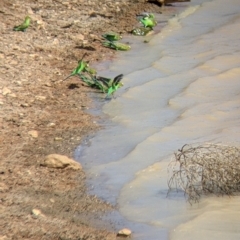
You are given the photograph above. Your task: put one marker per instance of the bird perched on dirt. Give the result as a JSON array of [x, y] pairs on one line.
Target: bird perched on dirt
[[147, 19], [22, 27], [112, 36], [83, 66]]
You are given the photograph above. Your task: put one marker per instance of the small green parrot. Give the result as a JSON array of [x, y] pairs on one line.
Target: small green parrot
[[117, 45], [111, 85], [88, 80], [83, 66], [106, 85], [103, 82], [148, 20], [24, 25], [112, 36], [93, 82]]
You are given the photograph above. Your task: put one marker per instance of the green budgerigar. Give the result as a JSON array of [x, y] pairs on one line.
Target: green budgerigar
[[83, 66], [80, 68], [22, 27], [112, 36], [93, 82], [148, 20], [117, 45], [111, 85]]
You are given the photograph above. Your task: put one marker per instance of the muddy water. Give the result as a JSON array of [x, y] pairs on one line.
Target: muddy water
[[181, 87]]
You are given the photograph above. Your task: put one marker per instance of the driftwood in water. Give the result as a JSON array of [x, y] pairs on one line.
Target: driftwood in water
[[205, 169]]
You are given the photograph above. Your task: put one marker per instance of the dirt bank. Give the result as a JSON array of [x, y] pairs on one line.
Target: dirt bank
[[41, 115]]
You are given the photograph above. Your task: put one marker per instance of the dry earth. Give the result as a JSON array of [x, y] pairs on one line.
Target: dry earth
[[41, 115]]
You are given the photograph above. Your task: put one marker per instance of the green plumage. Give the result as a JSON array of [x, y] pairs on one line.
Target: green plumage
[[105, 85], [22, 27], [117, 45], [148, 20], [112, 36], [114, 85], [111, 85], [83, 66]]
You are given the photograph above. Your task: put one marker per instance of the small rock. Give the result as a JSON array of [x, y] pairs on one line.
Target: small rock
[[51, 124], [48, 84], [60, 161], [14, 62], [125, 232], [24, 105], [64, 24], [36, 212], [41, 98], [33, 133], [55, 41], [58, 139], [6, 91], [19, 83], [78, 37], [52, 200]]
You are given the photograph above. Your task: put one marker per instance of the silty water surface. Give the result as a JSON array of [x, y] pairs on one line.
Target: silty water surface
[[181, 87]]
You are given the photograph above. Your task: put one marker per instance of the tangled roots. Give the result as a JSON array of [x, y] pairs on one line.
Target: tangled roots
[[205, 169]]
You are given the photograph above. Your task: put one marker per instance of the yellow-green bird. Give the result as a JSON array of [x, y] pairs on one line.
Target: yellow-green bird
[[116, 45], [111, 85], [112, 36], [147, 19], [82, 66], [22, 27]]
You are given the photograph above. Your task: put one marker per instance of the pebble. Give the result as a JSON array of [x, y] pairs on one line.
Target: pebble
[[33, 133], [51, 124], [41, 98], [36, 212], [58, 139], [77, 37], [55, 41], [125, 232], [13, 62], [64, 24], [24, 105], [6, 91]]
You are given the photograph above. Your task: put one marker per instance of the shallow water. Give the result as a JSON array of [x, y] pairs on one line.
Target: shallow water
[[181, 87]]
